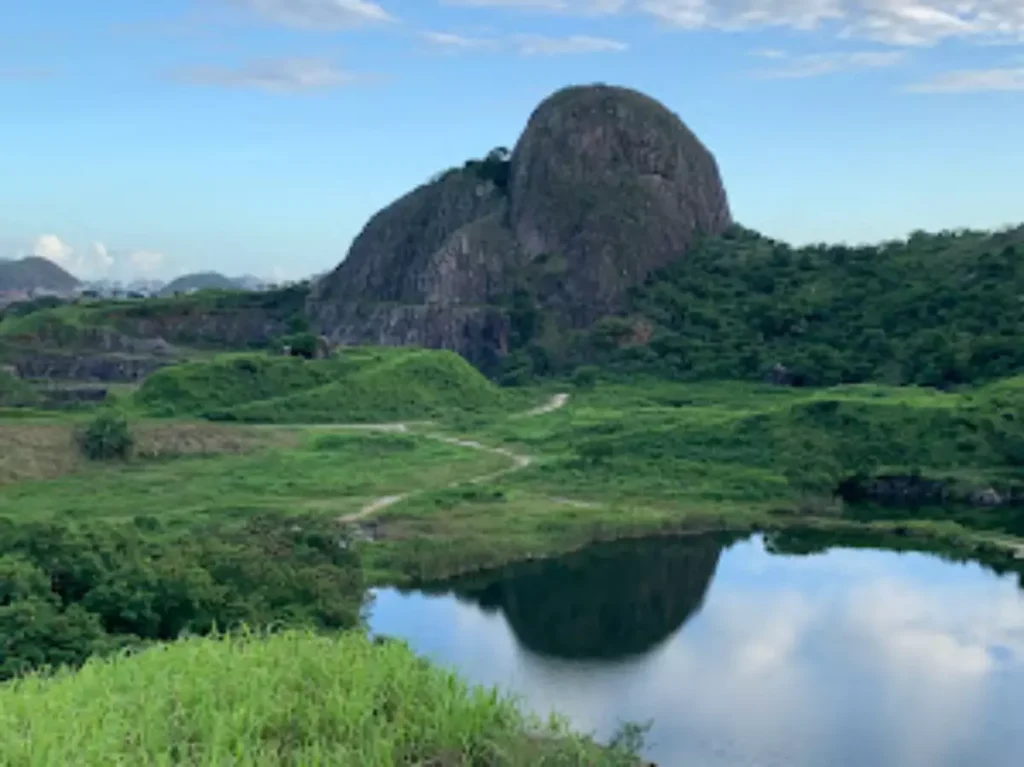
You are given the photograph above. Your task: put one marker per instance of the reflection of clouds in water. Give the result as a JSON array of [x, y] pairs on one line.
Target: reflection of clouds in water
[[944, 634], [906, 665], [930, 654]]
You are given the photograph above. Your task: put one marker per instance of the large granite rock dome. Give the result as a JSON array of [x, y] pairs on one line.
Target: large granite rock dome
[[604, 186]]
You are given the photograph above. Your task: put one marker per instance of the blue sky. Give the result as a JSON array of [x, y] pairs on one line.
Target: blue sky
[[257, 136]]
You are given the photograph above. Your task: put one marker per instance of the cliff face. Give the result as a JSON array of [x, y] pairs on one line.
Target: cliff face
[[604, 182], [616, 184]]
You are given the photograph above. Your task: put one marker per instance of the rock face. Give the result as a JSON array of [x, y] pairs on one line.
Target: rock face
[[615, 183], [101, 368], [604, 186]]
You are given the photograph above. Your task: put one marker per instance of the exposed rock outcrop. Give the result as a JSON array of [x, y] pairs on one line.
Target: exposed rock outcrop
[[605, 183], [911, 491], [617, 184], [120, 368], [230, 328]]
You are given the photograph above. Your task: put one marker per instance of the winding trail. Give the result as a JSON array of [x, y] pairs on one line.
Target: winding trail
[[519, 461]]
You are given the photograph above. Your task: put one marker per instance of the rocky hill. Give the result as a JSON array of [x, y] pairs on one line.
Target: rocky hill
[[604, 186], [35, 273]]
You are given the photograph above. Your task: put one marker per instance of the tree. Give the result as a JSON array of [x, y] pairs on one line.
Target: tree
[[107, 437]]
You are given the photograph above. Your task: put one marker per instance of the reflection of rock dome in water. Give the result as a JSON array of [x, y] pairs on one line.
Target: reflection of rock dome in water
[[604, 602]]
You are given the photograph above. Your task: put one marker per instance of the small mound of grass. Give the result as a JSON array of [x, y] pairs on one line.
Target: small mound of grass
[[286, 699], [225, 382], [418, 384]]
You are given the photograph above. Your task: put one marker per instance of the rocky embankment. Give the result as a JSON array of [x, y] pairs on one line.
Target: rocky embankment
[[905, 490]]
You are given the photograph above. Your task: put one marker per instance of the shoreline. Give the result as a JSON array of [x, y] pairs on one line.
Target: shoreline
[[918, 535]]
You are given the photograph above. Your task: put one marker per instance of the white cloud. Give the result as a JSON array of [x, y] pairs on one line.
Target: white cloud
[[770, 53], [526, 45], [588, 7], [101, 256], [1008, 79], [814, 64], [894, 22], [536, 45], [51, 247], [90, 263], [453, 42], [96, 261], [277, 75], [317, 14]]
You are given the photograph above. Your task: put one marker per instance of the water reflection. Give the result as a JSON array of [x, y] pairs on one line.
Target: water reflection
[[848, 658], [607, 602]]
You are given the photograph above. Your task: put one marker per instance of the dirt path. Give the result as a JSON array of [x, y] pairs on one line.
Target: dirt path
[[555, 403], [519, 462]]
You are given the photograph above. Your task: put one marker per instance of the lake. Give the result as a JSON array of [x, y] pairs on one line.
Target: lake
[[740, 656]]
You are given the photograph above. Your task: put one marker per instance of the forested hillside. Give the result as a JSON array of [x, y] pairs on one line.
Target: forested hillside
[[935, 309]]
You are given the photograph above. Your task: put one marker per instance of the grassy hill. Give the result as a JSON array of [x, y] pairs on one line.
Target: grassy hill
[[35, 273], [286, 699], [359, 385]]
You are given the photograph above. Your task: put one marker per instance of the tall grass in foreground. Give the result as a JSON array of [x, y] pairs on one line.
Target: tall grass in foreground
[[290, 698]]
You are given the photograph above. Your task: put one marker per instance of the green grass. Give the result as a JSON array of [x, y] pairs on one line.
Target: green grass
[[285, 699], [329, 472], [195, 388], [750, 443], [16, 393], [415, 384], [662, 457], [619, 460], [355, 386]]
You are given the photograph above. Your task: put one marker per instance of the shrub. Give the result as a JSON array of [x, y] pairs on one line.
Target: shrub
[[301, 345], [585, 376], [107, 437]]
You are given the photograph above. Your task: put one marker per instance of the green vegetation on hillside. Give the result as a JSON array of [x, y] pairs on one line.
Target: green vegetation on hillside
[[363, 385], [286, 699], [15, 392], [195, 388], [623, 460], [214, 319], [69, 591], [935, 310]]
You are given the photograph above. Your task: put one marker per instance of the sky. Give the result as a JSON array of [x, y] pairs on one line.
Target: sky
[[148, 139]]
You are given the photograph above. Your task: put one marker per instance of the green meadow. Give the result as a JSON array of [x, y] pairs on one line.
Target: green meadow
[[254, 490]]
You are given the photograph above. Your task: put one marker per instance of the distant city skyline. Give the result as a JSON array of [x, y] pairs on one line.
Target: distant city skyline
[[147, 140]]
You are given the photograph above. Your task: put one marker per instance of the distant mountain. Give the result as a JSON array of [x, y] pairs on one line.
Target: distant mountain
[[202, 281], [35, 273]]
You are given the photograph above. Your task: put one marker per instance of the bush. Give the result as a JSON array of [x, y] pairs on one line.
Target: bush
[[70, 591], [106, 438], [301, 345], [585, 376]]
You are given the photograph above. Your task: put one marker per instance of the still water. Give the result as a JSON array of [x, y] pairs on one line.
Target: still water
[[848, 658]]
